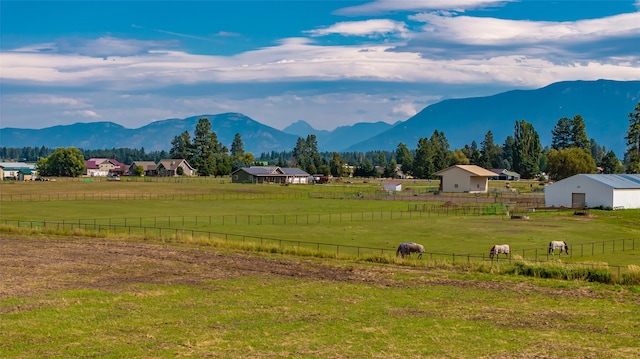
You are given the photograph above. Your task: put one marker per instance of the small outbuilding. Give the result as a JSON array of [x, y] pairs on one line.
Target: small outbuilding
[[392, 187], [464, 178], [615, 191]]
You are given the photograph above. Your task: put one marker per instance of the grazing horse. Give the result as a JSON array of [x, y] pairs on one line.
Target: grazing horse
[[561, 245], [406, 248], [498, 249]]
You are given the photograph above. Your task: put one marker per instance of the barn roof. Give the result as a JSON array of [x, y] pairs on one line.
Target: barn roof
[[472, 169], [271, 171], [619, 181]]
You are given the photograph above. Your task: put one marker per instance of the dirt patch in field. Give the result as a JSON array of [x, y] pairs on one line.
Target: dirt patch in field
[[29, 266]]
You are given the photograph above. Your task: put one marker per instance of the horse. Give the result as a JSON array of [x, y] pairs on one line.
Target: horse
[[406, 248], [498, 249], [561, 245]]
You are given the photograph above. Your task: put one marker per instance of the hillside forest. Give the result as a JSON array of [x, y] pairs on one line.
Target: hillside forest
[[571, 151]]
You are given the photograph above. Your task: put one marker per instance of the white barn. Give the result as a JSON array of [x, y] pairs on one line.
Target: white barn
[[595, 190]]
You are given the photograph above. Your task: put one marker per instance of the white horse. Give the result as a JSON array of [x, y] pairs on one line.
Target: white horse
[[561, 245], [499, 249], [406, 248]]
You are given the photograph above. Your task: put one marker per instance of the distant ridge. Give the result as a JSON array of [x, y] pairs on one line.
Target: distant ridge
[[604, 104]]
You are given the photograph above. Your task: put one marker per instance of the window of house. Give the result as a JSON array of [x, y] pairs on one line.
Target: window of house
[[455, 185]]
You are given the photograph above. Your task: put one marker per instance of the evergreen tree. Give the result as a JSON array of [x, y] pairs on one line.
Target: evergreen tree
[[405, 158], [597, 152], [579, 137], [611, 164], [204, 148], [507, 153], [561, 134], [441, 152], [490, 153], [633, 142], [237, 147], [527, 150], [181, 147], [423, 162]]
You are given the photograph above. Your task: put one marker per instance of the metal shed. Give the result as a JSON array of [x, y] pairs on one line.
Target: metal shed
[[615, 191]]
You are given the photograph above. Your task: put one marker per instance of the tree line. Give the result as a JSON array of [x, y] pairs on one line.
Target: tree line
[[571, 152]]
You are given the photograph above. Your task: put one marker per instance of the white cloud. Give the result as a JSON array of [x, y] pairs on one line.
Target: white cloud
[[81, 113], [486, 31], [405, 109], [386, 6], [299, 60], [369, 28], [51, 100]]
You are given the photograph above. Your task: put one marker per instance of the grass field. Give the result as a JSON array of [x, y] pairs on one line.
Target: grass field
[[74, 295], [289, 213]]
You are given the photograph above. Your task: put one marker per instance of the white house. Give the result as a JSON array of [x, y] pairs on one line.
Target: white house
[[595, 190], [464, 178]]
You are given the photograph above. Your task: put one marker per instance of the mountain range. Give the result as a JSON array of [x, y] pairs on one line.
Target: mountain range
[[604, 105]]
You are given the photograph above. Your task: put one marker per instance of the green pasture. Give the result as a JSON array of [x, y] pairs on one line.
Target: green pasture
[[271, 317], [390, 308], [289, 213]]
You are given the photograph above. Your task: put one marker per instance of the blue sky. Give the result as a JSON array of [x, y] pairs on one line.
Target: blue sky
[[330, 63]]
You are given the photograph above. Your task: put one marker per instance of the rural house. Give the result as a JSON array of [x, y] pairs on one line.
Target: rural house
[[148, 168], [505, 175], [169, 168], [276, 175], [464, 178], [103, 167], [595, 190]]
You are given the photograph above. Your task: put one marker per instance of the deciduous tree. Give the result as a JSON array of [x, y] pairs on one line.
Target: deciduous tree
[[63, 162], [568, 162]]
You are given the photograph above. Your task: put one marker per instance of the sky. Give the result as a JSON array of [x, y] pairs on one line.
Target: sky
[[329, 63]]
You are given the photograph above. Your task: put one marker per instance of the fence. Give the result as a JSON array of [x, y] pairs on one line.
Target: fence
[[182, 222], [528, 200], [106, 196], [539, 255]]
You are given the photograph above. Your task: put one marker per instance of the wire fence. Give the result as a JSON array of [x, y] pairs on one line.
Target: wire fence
[[531, 254], [523, 200], [182, 222]]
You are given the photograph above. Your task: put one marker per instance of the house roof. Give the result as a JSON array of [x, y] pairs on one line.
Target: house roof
[[472, 169], [172, 164], [94, 163], [273, 171], [7, 165], [146, 165], [503, 171], [616, 181]]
